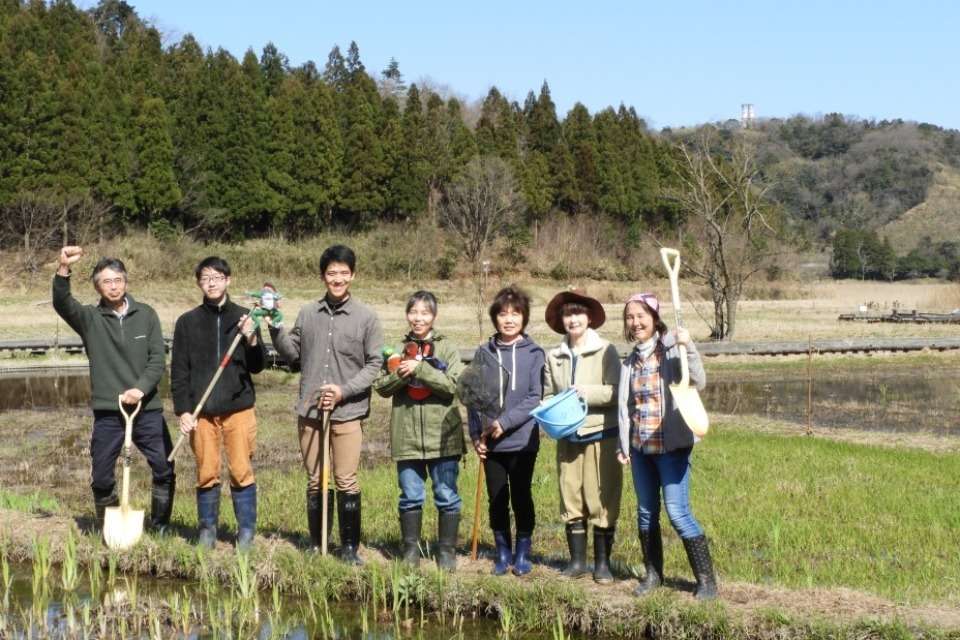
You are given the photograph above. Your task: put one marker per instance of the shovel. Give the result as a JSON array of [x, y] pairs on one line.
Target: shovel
[[685, 397], [122, 526]]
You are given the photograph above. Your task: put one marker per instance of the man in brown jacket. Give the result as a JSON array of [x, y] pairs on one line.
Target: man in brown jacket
[[337, 342]]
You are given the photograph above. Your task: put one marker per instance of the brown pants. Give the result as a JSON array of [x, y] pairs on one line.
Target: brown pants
[[238, 431], [591, 481], [345, 441]]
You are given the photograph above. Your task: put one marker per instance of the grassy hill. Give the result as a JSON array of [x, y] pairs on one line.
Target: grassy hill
[[937, 217]]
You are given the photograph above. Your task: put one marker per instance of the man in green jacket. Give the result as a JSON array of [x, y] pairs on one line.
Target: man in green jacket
[[124, 344], [426, 430]]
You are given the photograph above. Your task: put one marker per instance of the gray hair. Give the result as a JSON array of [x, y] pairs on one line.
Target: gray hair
[[425, 297], [114, 264]]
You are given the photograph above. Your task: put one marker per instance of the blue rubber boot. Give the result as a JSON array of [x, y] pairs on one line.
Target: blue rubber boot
[[521, 558], [208, 514], [502, 562], [245, 509]]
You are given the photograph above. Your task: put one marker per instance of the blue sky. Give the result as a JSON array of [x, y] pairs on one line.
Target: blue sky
[[678, 63]]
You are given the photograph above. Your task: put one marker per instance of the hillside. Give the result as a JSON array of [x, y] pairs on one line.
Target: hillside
[[937, 217]]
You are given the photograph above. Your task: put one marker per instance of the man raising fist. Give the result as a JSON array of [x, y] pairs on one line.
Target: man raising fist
[[124, 345]]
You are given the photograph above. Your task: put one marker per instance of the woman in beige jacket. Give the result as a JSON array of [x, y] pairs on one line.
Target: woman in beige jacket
[[591, 479]]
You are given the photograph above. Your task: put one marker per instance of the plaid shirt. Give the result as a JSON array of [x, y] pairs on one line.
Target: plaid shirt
[[647, 413]]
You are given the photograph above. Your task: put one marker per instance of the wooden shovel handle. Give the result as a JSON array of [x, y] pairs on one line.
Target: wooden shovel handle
[[475, 538], [671, 260], [324, 495]]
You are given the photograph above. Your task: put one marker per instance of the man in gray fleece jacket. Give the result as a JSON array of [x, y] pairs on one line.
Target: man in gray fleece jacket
[[337, 342]]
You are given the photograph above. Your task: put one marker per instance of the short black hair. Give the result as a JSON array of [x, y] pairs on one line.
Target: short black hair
[[216, 263], [511, 296], [108, 263], [573, 308], [338, 253], [425, 297]]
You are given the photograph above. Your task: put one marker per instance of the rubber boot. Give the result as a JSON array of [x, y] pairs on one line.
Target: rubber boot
[[411, 523], [315, 518], [651, 544], [208, 515], [698, 553], [577, 544], [101, 500], [161, 505], [448, 526], [602, 548], [348, 516], [245, 509], [521, 556], [502, 562]]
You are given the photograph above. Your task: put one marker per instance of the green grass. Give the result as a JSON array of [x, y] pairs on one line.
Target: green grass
[[35, 502], [782, 511]]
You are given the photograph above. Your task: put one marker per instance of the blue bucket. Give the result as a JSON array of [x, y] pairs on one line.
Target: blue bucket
[[561, 415]]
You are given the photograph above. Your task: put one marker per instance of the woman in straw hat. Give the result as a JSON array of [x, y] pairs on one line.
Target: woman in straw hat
[[590, 477], [657, 443]]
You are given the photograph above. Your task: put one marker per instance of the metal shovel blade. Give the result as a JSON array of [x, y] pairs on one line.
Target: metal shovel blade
[[687, 400], [122, 528]]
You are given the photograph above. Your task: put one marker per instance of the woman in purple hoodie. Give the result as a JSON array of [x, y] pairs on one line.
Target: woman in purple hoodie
[[508, 442]]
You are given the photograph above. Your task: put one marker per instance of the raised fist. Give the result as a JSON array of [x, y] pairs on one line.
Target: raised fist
[[69, 255]]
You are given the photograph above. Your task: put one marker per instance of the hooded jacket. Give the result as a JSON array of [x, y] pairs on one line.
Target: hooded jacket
[[429, 428], [519, 385], [201, 339], [676, 433], [597, 370]]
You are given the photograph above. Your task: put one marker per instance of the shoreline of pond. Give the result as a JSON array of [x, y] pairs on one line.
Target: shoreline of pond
[[530, 606]]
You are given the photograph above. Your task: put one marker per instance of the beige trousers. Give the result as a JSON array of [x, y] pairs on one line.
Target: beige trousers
[[345, 441], [591, 481]]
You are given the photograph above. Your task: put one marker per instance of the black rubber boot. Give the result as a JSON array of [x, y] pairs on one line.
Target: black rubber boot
[[208, 516], [651, 543], [602, 548], [411, 523], [101, 500], [315, 518], [245, 509], [698, 552], [161, 505], [577, 544], [348, 517], [448, 526]]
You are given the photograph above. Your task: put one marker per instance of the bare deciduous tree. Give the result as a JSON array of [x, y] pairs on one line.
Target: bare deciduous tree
[[36, 222], [477, 207], [730, 231]]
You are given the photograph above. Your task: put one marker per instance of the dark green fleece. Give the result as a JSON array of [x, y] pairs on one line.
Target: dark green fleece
[[124, 353]]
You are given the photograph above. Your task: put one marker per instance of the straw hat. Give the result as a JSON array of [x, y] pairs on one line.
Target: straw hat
[[554, 312]]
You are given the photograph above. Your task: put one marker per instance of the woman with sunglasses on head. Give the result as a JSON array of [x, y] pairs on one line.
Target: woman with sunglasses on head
[[657, 443], [426, 430]]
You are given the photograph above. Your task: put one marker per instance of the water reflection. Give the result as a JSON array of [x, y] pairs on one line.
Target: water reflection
[[890, 400], [56, 389]]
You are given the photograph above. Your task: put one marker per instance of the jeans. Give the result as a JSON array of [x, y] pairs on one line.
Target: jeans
[[149, 435], [411, 475], [671, 472], [509, 483]]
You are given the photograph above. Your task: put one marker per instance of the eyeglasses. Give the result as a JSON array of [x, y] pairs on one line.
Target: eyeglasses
[[211, 279], [107, 282]]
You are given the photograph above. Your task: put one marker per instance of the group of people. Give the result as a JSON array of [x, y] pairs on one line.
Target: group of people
[[337, 344]]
